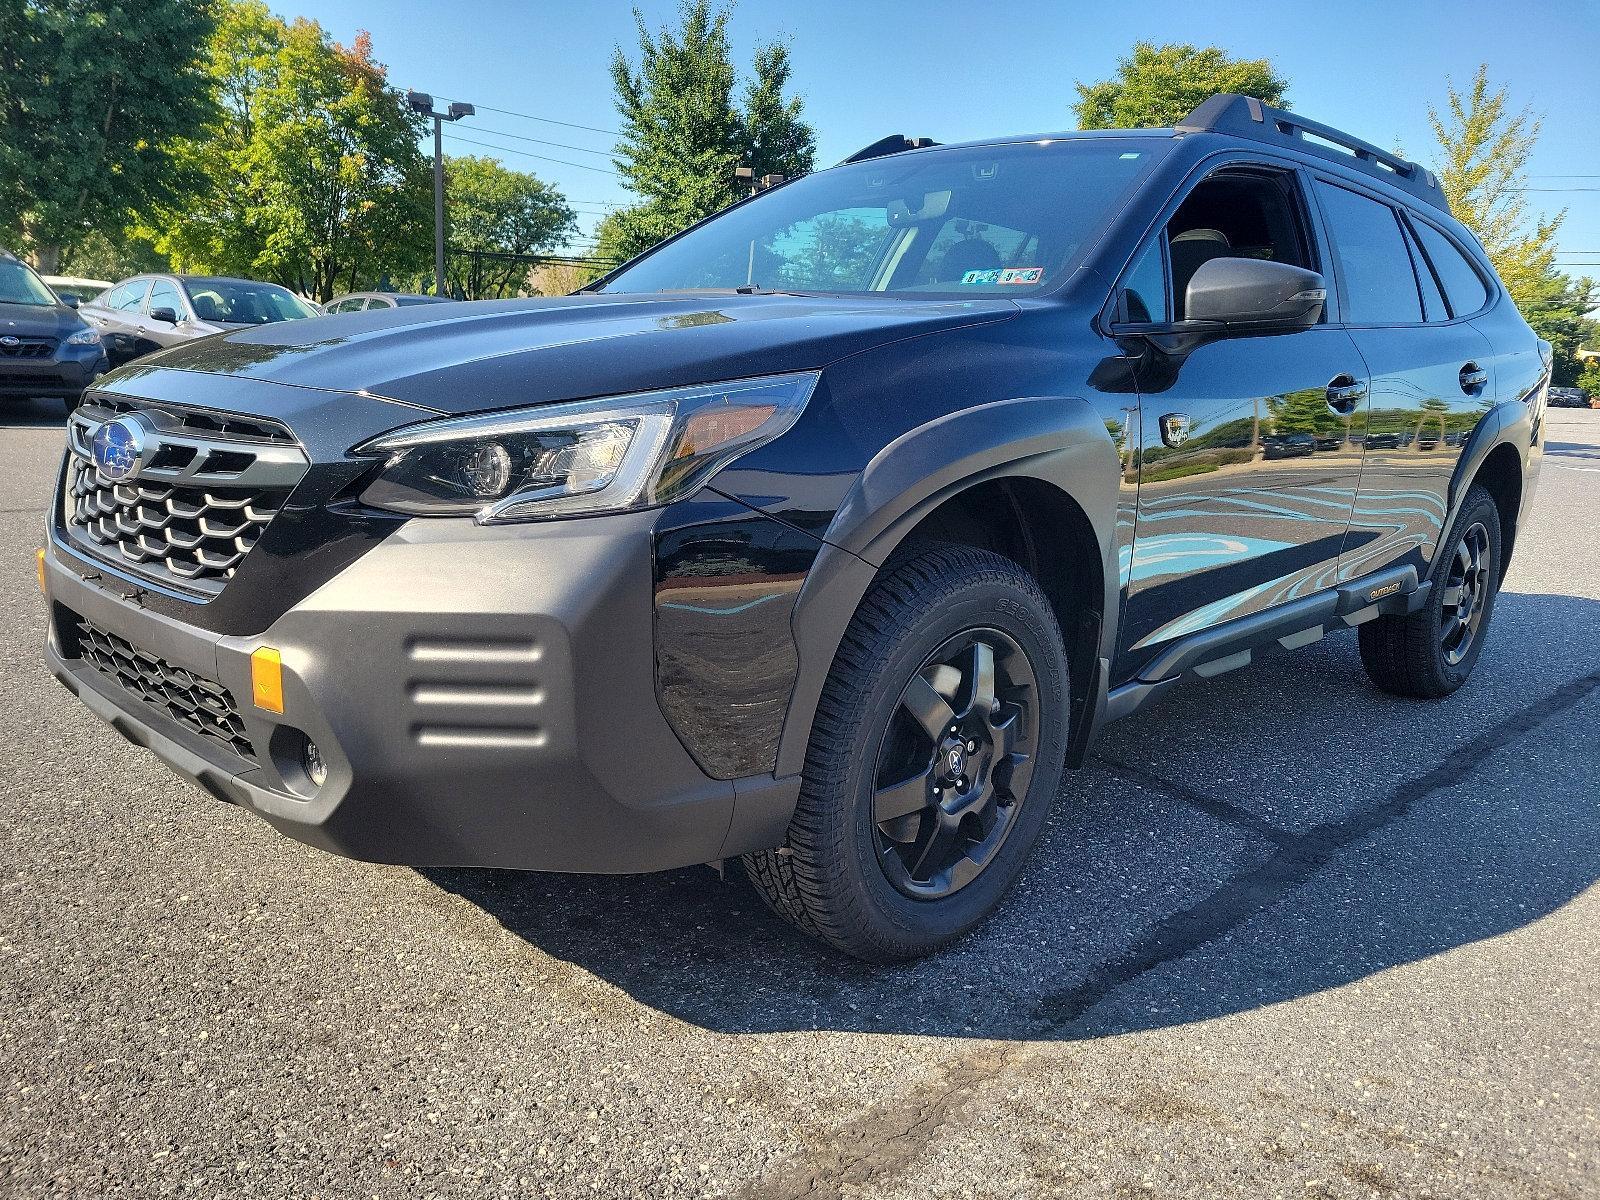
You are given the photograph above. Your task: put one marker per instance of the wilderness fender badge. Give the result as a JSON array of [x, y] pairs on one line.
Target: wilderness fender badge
[[1005, 275]]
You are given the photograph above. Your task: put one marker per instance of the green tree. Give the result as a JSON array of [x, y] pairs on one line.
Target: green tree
[[313, 175], [683, 134], [495, 211], [92, 94], [1158, 85], [1484, 147]]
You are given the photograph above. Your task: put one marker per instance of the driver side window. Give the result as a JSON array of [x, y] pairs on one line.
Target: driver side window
[[1232, 213]]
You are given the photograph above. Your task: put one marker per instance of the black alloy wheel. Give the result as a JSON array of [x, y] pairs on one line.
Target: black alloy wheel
[[934, 755], [955, 763], [1464, 596]]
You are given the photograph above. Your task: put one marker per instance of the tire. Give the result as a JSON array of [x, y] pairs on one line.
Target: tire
[[863, 868], [1430, 653]]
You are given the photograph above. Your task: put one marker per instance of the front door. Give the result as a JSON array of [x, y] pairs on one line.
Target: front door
[[1248, 471]]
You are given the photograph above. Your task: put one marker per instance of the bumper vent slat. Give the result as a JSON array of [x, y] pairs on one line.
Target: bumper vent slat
[[203, 705]]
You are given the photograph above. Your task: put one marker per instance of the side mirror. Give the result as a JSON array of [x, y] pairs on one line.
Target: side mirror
[[69, 299], [1255, 295], [166, 315]]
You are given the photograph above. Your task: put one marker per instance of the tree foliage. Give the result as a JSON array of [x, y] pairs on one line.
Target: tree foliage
[[92, 94], [1485, 146], [1155, 86], [683, 133], [495, 211], [312, 173]]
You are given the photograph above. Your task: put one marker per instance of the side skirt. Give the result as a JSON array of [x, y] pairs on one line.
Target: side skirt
[[1237, 643]]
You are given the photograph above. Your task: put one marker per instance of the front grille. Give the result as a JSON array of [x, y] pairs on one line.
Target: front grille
[[202, 705], [29, 347], [199, 536], [204, 489]]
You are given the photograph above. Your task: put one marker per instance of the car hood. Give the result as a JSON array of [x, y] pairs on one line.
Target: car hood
[[32, 320], [471, 357]]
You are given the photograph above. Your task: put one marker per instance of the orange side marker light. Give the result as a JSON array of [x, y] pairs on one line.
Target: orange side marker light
[[266, 679]]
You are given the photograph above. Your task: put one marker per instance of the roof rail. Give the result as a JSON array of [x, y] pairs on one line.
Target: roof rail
[[1247, 117], [895, 143]]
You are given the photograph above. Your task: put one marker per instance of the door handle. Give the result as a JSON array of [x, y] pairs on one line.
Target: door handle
[[1473, 377], [1344, 393]]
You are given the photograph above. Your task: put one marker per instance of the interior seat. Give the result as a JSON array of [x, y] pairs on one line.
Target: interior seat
[[1191, 249], [969, 254]]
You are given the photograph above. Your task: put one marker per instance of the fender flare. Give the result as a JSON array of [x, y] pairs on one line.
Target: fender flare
[[1062, 441], [1509, 423]]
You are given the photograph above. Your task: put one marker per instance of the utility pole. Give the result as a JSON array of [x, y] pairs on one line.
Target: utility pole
[[422, 102]]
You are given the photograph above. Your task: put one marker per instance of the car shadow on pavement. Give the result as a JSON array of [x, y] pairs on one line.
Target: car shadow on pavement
[[1277, 833], [35, 413]]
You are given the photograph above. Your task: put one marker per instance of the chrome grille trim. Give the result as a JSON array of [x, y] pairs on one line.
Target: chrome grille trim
[[199, 503]]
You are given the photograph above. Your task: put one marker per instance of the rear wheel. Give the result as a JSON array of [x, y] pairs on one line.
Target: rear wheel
[[1429, 653], [936, 751]]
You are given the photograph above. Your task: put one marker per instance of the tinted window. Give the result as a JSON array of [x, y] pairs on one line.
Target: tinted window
[[985, 220], [1461, 282], [1379, 287], [1145, 289], [164, 295], [1433, 305]]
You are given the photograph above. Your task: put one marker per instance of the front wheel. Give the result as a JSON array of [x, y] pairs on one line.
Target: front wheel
[[1429, 653], [936, 751]]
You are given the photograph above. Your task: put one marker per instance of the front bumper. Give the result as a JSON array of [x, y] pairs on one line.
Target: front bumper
[[62, 378], [481, 696]]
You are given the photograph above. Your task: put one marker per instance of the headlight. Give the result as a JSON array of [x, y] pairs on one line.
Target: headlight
[[84, 337], [594, 456]]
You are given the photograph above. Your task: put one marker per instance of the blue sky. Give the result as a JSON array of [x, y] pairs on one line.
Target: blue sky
[[954, 70]]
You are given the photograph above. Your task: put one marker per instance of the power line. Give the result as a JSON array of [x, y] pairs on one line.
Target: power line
[[526, 154], [506, 112], [541, 141]]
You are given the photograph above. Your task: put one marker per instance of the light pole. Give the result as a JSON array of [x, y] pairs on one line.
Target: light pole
[[423, 103]]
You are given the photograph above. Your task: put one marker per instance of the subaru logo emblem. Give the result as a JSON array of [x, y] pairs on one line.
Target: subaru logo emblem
[[957, 760], [8, 340], [117, 447]]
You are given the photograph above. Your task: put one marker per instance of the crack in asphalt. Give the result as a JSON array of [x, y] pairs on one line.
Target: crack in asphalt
[[1298, 857], [1214, 806], [886, 1139]]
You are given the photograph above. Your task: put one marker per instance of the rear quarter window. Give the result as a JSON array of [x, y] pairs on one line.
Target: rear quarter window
[[1462, 284]]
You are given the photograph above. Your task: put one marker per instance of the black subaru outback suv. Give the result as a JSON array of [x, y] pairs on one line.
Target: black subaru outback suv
[[824, 534]]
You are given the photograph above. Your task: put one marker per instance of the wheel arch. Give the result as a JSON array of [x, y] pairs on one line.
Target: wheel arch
[[1035, 478], [1496, 457]]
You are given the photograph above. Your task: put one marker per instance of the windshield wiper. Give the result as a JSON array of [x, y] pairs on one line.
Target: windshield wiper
[[744, 289]]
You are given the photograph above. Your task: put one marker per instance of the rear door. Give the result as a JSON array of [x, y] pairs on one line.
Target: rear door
[[1431, 379], [1247, 471], [117, 315]]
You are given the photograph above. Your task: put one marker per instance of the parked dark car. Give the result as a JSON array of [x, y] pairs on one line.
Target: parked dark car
[[818, 538], [1290, 445], [46, 350], [145, 313], [361, 301], [1568, 397]]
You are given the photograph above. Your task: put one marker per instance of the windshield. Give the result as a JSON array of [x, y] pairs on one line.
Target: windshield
[[19, 285], [237, 302], [989, 220]]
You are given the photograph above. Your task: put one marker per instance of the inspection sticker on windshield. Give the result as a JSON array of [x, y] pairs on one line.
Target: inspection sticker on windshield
[[1004, 275]]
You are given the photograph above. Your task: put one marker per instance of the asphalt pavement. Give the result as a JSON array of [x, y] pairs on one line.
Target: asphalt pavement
[[1286, 936]]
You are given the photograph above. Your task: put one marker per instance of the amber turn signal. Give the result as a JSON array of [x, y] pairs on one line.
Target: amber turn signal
[[266, 679]]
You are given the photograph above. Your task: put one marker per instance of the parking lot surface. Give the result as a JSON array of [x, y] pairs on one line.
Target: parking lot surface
[[1285, 937]]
